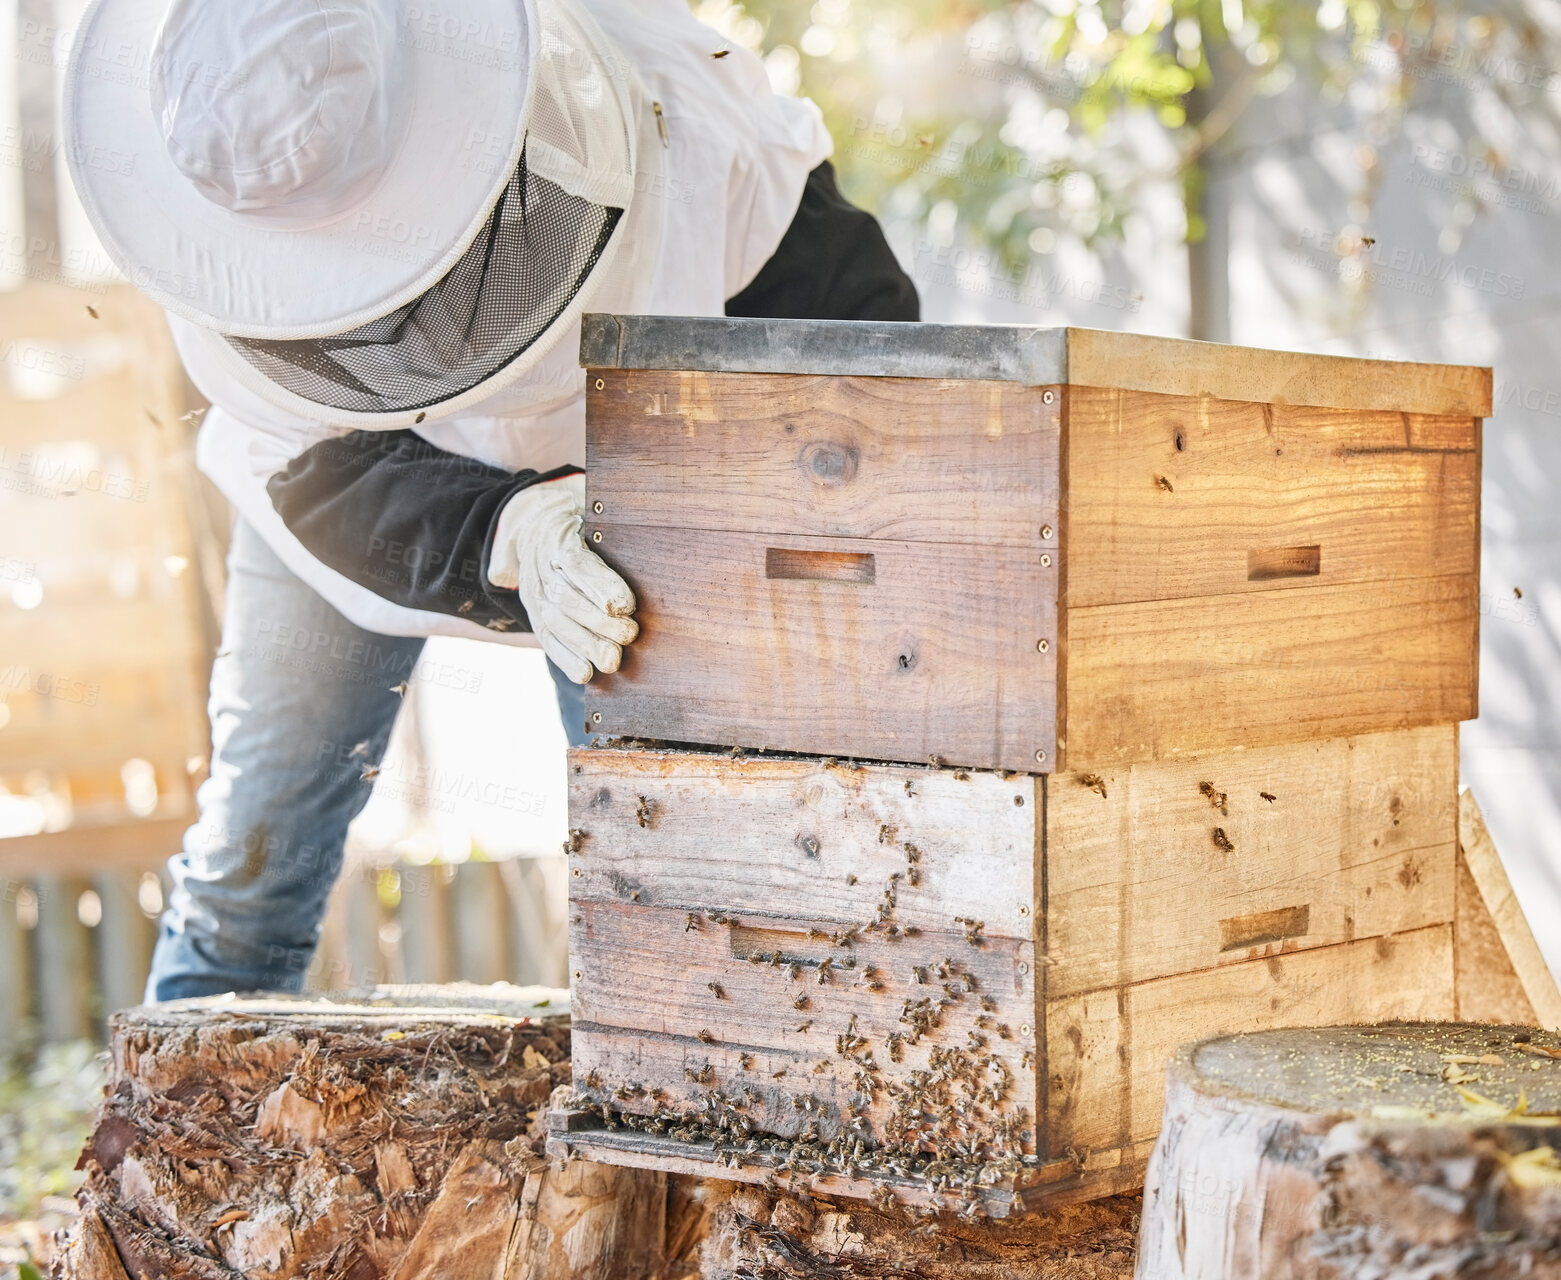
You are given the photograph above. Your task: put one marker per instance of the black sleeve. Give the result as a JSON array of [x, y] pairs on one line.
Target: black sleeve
[[414, 524], [833, 263], [409, 521]]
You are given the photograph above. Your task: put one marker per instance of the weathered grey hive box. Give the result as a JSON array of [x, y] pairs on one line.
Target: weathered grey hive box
[[1025, 548]]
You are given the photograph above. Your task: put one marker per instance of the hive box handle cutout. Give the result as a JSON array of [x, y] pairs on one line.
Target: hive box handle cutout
[[1284, 562], [819, 566]]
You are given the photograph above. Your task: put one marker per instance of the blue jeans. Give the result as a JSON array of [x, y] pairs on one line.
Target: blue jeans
[[302, 703]]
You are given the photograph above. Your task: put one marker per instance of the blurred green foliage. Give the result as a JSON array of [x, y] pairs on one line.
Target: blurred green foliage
[[1013, 122], [45, 1117]]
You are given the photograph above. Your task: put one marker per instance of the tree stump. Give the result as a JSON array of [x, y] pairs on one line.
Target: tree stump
[[393, 1135], [761, 1235], [1412, 1150]]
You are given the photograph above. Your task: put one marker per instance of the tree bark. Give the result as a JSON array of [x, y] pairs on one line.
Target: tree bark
[[1419, 1151], [276, 1137]]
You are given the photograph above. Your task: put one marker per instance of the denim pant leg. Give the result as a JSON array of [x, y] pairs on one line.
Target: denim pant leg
[[302, 703], [571, 706]]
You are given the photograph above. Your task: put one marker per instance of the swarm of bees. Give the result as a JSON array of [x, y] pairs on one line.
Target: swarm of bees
[[950, 1129]]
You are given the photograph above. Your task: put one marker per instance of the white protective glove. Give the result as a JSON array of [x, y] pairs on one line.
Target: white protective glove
[[579, 608]]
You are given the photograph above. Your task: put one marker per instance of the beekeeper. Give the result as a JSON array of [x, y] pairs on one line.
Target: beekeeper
[[374, 226]]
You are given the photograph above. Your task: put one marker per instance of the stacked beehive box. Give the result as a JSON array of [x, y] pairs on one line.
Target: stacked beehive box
[[1063, 696]]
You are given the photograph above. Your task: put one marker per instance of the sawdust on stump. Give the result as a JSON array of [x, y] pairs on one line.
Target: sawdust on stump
[[759, 1235], [274, 1137]]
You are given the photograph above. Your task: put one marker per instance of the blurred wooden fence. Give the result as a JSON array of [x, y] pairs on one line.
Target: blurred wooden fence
[[74, 947], [111, 579]]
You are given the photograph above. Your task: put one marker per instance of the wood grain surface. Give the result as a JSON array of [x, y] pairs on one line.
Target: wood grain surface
[[1328, 841], [1502, 975], [1172, 496], [805, 838], [938, 654], [1175, 366], [1107, 1050], [1158, 679], [907, 459]]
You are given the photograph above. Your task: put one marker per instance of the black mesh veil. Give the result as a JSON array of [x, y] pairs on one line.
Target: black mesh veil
[[532, 256]]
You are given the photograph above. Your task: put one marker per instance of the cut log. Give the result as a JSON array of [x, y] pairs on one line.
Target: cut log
[[754, 1233], [393, 1135], [1412, 1150]]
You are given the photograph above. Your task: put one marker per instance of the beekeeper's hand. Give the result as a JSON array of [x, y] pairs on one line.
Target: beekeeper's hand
[[579, 608]]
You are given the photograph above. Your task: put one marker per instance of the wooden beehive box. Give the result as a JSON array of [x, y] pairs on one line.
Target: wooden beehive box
[[1027, 548], [1064, 697], [1054, 939]]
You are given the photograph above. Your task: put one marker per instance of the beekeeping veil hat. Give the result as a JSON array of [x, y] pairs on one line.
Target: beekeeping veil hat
[[371, 208]]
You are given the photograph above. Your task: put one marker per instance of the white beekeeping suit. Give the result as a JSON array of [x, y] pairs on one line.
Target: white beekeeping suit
[[608, 105]]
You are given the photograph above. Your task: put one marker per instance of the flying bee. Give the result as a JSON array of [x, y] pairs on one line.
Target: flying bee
[[644, 812], [400, 690], [499, 624], [705, 1037], [745, 1061], [370, 772], [716, 990], [803, 1028], [801, 1002], [464, 607], [692, 922]]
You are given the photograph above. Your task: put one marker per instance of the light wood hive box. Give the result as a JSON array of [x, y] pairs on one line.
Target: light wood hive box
[[1095, 693]]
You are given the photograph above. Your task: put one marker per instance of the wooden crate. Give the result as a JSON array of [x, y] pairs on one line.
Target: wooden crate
[[1027, 548], [756, 940]]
